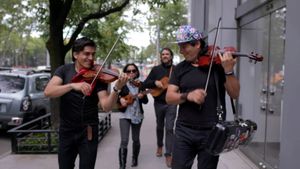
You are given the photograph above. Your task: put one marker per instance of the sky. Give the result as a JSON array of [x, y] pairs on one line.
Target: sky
[[139, 39]]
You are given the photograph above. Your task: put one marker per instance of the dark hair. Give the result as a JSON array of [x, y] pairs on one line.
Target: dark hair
[[168, 49], [80, 43], [204, 47], [135, 66]]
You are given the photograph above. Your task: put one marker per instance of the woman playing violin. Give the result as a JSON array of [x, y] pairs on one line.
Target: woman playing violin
[[187, 88], [78, 130], [132, 115]]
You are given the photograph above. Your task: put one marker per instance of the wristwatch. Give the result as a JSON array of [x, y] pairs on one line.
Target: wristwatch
[[183, 96], [116, 90], [229, 73]]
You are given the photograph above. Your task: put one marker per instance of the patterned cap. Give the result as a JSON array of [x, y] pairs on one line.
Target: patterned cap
[[187, 33]]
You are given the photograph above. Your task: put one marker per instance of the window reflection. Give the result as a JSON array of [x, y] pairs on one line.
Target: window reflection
[[11, 84]]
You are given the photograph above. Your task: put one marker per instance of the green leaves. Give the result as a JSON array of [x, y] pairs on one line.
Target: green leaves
[[18, 23], [168, 19]]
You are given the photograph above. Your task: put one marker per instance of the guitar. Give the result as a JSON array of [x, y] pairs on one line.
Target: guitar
[[130, 99], [158, 91]]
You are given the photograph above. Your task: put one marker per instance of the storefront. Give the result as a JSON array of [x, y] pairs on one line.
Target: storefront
[[263, 31], [259, 26]]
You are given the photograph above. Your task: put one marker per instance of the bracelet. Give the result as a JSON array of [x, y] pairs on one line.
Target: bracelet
[[116, 90], [183, 96], [229, 73]]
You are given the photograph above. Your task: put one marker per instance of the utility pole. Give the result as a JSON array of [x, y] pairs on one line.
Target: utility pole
[[157, 40]]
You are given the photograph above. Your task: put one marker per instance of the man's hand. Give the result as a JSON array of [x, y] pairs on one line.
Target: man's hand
[[197, 96], [123, 78], [84, 87], [228, 61]]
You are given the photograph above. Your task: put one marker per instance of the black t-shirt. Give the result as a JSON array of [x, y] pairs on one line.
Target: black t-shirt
[[157, 73], [76, 110], [188, 78]]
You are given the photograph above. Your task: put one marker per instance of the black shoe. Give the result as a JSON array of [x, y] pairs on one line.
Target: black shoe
[[135, 154], [122, 157], [134, 162]]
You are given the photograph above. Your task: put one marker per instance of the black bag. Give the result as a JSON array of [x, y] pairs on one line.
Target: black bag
[[228, 135]]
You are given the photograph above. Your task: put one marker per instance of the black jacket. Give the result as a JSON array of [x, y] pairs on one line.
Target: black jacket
[[157, 73]]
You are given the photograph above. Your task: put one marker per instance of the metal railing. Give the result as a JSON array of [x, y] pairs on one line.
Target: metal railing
[[37, 137]]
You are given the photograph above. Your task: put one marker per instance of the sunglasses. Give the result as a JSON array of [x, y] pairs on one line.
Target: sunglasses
[[131, 71]]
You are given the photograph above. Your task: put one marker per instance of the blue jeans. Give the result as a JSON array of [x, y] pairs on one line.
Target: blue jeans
[[188, 144], [74, 142]]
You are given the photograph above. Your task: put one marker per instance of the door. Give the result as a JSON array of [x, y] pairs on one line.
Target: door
[[262, 86]]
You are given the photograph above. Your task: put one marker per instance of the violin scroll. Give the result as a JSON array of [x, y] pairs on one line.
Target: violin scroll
[[256, 57], [252, 56]]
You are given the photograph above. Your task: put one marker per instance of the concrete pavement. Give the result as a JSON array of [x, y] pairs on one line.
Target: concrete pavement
[[108, 151]]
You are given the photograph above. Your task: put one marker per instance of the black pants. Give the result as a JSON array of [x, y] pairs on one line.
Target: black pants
[[188, 144], [135, 132], [165, 117], [74, 142]]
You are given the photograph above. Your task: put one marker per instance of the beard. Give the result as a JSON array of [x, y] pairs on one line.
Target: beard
[[167, 64]]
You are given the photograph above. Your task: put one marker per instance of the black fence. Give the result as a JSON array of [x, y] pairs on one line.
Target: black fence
[[37, 137]]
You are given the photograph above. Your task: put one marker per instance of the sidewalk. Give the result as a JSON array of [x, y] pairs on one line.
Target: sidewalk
[[108, 151]]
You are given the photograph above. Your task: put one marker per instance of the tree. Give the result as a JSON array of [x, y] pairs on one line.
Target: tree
[[105, 32], [16, 26], [62, 21], [165, 22], [64, 14]]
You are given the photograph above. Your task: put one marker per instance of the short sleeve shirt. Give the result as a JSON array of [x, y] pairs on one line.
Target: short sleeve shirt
[[188, 78], [75, 109]]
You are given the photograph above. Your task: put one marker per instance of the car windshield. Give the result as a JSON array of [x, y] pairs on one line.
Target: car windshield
[[11, 84]]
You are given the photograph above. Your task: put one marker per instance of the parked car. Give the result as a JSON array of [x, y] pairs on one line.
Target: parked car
[[21, 96]]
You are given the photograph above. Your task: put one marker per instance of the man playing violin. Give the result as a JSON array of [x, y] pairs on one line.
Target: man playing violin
[[78, 130], [197, 112], [165, 113]]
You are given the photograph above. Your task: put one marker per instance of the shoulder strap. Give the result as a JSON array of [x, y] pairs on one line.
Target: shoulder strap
[[219, 107], [170, 72]]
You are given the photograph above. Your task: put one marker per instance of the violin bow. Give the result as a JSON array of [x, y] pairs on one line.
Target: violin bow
[[212, 54], [105, 60]]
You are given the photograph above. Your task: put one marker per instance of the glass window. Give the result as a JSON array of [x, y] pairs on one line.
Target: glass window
[[41, 82], [11, 84]]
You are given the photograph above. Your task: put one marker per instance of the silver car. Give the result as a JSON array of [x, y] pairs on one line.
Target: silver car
[[21, 96]]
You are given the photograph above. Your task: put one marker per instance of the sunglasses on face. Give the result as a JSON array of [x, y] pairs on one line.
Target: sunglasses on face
[[131, 71]]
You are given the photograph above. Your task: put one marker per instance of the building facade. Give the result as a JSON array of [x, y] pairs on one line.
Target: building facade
[[269, 90]]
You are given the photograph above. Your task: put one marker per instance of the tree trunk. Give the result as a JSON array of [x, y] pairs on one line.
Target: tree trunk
[[57, 54]]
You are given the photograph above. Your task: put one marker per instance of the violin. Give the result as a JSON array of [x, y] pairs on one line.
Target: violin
[[135, 82], [88, 75], [97, 72], [105, 75], [93, 74], [205, 60]]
